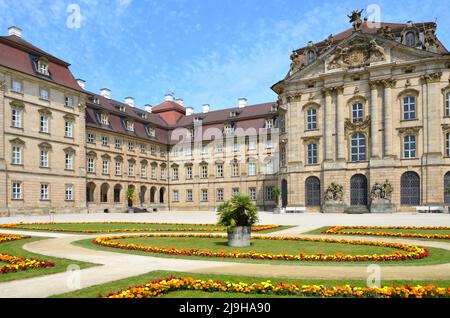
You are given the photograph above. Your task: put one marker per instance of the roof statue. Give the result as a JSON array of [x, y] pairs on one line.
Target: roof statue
[[355, 19]]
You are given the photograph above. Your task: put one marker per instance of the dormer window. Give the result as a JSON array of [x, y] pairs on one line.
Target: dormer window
[[43, 68], [96, 100], [311, 56], [269, 123], [198, 120], [410, 39], [229, 128], [151, 131], [104, 119], [142, 115], [273, 108], [130, 125], [233, 114], [121, 108]]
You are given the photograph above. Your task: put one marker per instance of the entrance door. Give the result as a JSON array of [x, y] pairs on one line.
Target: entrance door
[[358, 190], [284, 193]]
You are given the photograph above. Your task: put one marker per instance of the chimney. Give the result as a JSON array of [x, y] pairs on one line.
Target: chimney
[[106, 92], [168, 97], [13, 30], [148, 108], [179, 101], [81, 83], [206, 108], [242, 102], [189, 111], [129, 101]]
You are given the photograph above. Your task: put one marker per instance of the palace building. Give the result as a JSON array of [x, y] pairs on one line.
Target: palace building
[[364, 106]]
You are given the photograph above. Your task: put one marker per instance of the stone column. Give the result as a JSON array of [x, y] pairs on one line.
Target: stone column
[[374, 128], [387, 105], [328, 126], [340, 123]]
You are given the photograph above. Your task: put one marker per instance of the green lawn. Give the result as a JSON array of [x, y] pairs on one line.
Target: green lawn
[[94, 291], [97, 227], [15, 248], [437, 256], [407, 231]]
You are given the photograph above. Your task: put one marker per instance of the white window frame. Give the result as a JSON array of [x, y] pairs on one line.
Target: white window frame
[[44, 161], [220, 195], [16, 190], [409, 146], [252, 169], [204, 195], [69, 161], [68, 101], [16, 118], [69, 192], [204, 170], [312, 151], [105, 166], [90, 165], [360, 139], [118, 169], [16, 154], [311, 119], [90, 138], [219, 170], [45, 192], [16, 86], [252, 193], [68, 129], [131, 169], [44, 94], [357, 112], [44, 123], [409, 107], [189, 195]]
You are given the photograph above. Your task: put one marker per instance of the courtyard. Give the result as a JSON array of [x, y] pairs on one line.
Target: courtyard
[[184, 254]]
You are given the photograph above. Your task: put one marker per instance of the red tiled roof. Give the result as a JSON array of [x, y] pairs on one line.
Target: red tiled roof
[[15, 54]]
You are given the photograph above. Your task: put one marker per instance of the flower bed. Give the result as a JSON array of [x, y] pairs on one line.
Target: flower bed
[[403, 252], [161, 287], [342, 231], [176, 227], [15, 263]]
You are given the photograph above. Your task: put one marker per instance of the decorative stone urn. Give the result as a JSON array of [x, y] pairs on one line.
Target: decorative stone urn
[[239, 236], [333, 198], [380, 196]]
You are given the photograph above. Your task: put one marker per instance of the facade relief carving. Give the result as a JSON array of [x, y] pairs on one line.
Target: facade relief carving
[[363, 126], [431, 77], [358, 53]]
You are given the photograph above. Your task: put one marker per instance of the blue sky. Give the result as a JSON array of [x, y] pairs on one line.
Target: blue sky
[[204, 51]]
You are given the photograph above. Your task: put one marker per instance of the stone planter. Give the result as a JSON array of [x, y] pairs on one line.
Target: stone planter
[[239, 236], [333, 207], [382, 206]]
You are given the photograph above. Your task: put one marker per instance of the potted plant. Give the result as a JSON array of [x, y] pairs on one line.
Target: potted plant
[[131, 196], [238, 215]]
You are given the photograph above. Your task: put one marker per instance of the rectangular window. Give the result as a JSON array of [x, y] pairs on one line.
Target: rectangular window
[[44, 94], [189, 196], [251, 169], [175, 196], [118, 168], [283, 155], [219, 195], [234, 191], [69, 129], [358, 112], [69, 192], [16, 155], [204, 195], [104, 120], [45, 189], [131, 169], [16, 117], [154, 172], [105, 166], [447, 104], [163, 174], [235, 147], [447, 144], [69, 161], [234, 170], [312, 154], [188, 151], [175, 173], [252, 194], [219, 147], [118, 143], [252, 145], [269, 143], [17, 191], [91, 165], [144, 171], [269, 123], [68, 101], [105, 141], [311, 119], [189, 172], [16, 86], [409, 107], [269, 193], [204, 150], [409, 146], [143, 148], [204, 172], [220, 170], [43, 162], [44, 124], [358, 147], [90, 138], [269, 167], [131, 146]]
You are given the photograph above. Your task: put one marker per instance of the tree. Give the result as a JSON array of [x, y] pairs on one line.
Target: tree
[[276, 192], [131, 196]]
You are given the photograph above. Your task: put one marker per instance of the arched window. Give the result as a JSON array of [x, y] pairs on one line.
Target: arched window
[[409, 146], [447, 188], [311, 118], [357, 112], [358, 147], [162, 193], [104, 193], [152, 195], [409, 107], [312, 191], [410, 39], [311, 56], [117, 190], [410, 189]]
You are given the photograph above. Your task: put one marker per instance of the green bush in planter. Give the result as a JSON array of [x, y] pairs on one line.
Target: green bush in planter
[[239, 211]]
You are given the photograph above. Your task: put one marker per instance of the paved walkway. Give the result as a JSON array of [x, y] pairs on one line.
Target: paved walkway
[[115, 266]]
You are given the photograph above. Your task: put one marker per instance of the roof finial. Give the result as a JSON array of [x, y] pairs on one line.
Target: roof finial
[[355, 19]]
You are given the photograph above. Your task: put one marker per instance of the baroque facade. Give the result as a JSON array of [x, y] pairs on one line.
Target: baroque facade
[[370, 104], [364, 106]]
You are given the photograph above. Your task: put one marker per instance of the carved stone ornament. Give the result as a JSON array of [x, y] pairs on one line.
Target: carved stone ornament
[[386, 32], [358, 53], [294, 98], [311, 140], [408, 131], [296, 62], [355, 19], [351, 126], [431, 77]]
